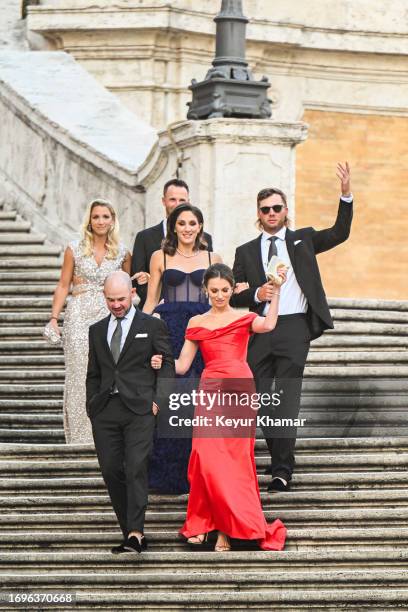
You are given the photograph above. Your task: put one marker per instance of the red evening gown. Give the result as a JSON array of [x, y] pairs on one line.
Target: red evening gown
[[224, 492]]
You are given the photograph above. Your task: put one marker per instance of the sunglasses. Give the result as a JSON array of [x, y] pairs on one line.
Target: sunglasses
[[276, 208]]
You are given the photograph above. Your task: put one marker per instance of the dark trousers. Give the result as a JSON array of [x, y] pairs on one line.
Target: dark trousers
[[280, 356], [123, 442]]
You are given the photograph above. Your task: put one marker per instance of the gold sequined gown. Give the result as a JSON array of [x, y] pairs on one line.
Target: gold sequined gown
[[85, 306]]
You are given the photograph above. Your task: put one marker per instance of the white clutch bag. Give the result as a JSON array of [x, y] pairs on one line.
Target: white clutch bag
[[51, 336], [274, 266]]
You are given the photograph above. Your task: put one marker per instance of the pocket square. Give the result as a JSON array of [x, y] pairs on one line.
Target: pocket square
[[141, 336], [297, 242]]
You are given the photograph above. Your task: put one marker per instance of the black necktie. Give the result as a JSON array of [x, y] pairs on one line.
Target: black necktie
[[116, 340], [272, 247]]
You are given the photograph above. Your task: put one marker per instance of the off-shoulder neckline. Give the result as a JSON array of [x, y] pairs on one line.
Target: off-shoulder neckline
[[223, 326]]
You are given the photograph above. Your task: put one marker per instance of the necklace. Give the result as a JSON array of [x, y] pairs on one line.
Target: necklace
[[187, 256]]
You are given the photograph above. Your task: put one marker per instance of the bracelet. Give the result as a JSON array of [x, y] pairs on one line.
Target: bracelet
[[274, 293], [51, 318]]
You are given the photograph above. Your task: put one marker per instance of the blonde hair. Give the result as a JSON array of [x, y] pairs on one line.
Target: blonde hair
[[112, 240]]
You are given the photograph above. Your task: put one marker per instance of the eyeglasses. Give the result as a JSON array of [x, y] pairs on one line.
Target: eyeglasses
[[276, 208]]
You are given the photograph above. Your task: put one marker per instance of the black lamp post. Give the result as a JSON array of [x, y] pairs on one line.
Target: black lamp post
[[229, 89]]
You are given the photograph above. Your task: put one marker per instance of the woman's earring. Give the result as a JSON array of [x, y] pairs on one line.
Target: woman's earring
[[89, 227]]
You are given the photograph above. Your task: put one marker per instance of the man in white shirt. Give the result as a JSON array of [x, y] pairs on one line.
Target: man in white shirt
[[149, 240], [304, 314], [123, 396]]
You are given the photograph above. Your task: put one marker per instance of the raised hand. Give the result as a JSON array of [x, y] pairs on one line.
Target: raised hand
[[343, 173]]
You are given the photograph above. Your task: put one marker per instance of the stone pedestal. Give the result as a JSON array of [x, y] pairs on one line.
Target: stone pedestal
[[226, 162]]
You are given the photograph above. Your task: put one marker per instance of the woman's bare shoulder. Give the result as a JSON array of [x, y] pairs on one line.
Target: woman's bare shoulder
[[196, 320]]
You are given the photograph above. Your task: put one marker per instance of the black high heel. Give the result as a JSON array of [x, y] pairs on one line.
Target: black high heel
[[200, 543]]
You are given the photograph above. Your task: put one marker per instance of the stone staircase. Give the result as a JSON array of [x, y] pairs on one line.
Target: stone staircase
[[347, 512]]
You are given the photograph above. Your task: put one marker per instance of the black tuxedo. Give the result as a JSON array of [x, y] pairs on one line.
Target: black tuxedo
[[282, 353], [147, 242], [123, 422]]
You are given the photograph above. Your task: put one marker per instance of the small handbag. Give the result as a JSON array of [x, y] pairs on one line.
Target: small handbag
[[51, 336]]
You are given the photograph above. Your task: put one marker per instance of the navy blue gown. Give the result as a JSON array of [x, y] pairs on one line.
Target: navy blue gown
[[183, 298]]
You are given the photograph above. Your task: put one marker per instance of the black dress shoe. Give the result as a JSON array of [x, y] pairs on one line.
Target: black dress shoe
[[133, 544], [116, 550], [277, 485]]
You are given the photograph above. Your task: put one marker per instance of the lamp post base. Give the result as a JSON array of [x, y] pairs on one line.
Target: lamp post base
[[220, 97]]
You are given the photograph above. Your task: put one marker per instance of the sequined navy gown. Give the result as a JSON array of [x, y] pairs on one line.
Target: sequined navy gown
[[183, 298]]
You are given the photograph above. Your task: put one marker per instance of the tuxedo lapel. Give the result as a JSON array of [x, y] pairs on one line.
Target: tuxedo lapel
[[104, 332], [137, 324], [257, 250], [289, 239]]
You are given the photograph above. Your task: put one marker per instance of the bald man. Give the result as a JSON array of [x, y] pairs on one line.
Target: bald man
[[123, 397]]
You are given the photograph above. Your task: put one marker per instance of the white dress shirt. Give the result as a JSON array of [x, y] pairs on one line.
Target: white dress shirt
[[126, 323], [292, 299], [164, 222]]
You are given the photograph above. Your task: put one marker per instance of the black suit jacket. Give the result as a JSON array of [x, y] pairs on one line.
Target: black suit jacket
[[248, 267], [138, 384], [147, 242]]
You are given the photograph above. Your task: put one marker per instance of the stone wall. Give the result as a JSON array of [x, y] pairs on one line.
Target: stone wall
[[342, 56], [12, 27], [64, 141], [374, 261]]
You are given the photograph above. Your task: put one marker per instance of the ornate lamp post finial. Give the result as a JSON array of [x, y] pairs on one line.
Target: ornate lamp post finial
[[229, 89]]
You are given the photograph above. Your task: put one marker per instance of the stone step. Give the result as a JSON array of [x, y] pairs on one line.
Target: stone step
[[370, 371], [53, 562], [31, 406], [26, 374], [365, 386], [387, 316], [32, 333], [368, 327], [53, 481], [28, 390], [346, 447], [14, 226], [359, 373], [38, 264], [316, 462], [54, 359], [18, 346], [16, 421], [86, 477], [360, 342], [8, 215], [368, 304], [24, 304], [34, 436], [322, 505], [321, 599], [318, 422], [23, 238], [37, 319], [27, 250], [24, 289], [30, 277], [353, 357], [297, 539]]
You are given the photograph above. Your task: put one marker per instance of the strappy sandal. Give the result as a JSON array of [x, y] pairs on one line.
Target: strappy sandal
[[198, 540], [223, 547]]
